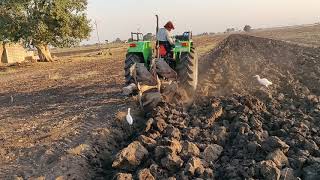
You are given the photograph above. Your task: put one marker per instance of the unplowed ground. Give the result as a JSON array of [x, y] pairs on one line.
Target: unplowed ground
[[50, 111], [66, 119]]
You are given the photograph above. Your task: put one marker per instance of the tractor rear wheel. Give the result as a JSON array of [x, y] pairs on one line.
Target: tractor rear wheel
[[130, 60], [187, 71]]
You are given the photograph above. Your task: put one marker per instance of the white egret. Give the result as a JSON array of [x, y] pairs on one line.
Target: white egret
[[265, 82], [129, 117]]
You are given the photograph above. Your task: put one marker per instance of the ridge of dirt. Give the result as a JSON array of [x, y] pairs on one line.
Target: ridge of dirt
[[234, 62]]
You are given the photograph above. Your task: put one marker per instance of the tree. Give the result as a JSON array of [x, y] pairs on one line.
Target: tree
[[247, 28], [118, 40], [44, 23], [148, 37], [230, 30]]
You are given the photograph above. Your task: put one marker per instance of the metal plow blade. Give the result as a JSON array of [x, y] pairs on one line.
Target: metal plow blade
[[164, 70], [151, 89]]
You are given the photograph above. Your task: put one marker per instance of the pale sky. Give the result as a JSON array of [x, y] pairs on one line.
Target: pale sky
[[117, 18]]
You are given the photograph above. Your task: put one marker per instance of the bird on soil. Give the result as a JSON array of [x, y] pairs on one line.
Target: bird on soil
[[265, 82], [129, 117], [11, 99]]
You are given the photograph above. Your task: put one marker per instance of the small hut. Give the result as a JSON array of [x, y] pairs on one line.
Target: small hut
[[12, 53]]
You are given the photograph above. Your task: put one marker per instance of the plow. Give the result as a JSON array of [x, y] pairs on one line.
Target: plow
[[156, 75]]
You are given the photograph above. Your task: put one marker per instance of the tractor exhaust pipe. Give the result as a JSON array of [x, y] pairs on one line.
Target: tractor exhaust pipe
[[157, 30], [157, 42]]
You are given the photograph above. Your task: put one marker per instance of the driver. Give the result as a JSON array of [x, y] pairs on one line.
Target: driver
[[164, 36]]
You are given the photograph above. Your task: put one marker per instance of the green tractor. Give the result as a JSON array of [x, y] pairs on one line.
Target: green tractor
[[158, 76]]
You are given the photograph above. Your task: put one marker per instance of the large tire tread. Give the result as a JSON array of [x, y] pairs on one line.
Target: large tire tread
[[187, 71], [130, 60]]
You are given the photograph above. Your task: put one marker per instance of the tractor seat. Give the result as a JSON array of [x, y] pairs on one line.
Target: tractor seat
[[163, 51]]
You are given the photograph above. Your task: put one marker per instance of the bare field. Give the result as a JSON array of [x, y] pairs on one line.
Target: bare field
[[64, 119], [304, 35]]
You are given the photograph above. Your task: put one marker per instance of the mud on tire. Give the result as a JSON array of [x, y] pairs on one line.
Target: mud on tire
[[130, 60]]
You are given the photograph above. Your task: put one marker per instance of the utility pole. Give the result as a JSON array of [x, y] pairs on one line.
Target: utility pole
[[96, 24], [139, 28]]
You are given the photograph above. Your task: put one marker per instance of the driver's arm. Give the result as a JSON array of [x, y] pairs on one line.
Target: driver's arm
[[169, 38]]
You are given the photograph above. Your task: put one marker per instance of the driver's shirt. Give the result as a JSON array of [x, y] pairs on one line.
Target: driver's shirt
[[164, 35]]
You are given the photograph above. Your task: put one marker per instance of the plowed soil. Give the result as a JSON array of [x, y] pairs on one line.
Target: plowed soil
[[237, 129]]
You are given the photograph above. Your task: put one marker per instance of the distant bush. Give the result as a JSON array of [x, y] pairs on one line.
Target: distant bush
[[230, 30], [118, 40], [247, 28], [202, 34], [148, 37]]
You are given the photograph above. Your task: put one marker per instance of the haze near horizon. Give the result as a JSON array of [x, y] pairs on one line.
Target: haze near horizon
[[119, 18]]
